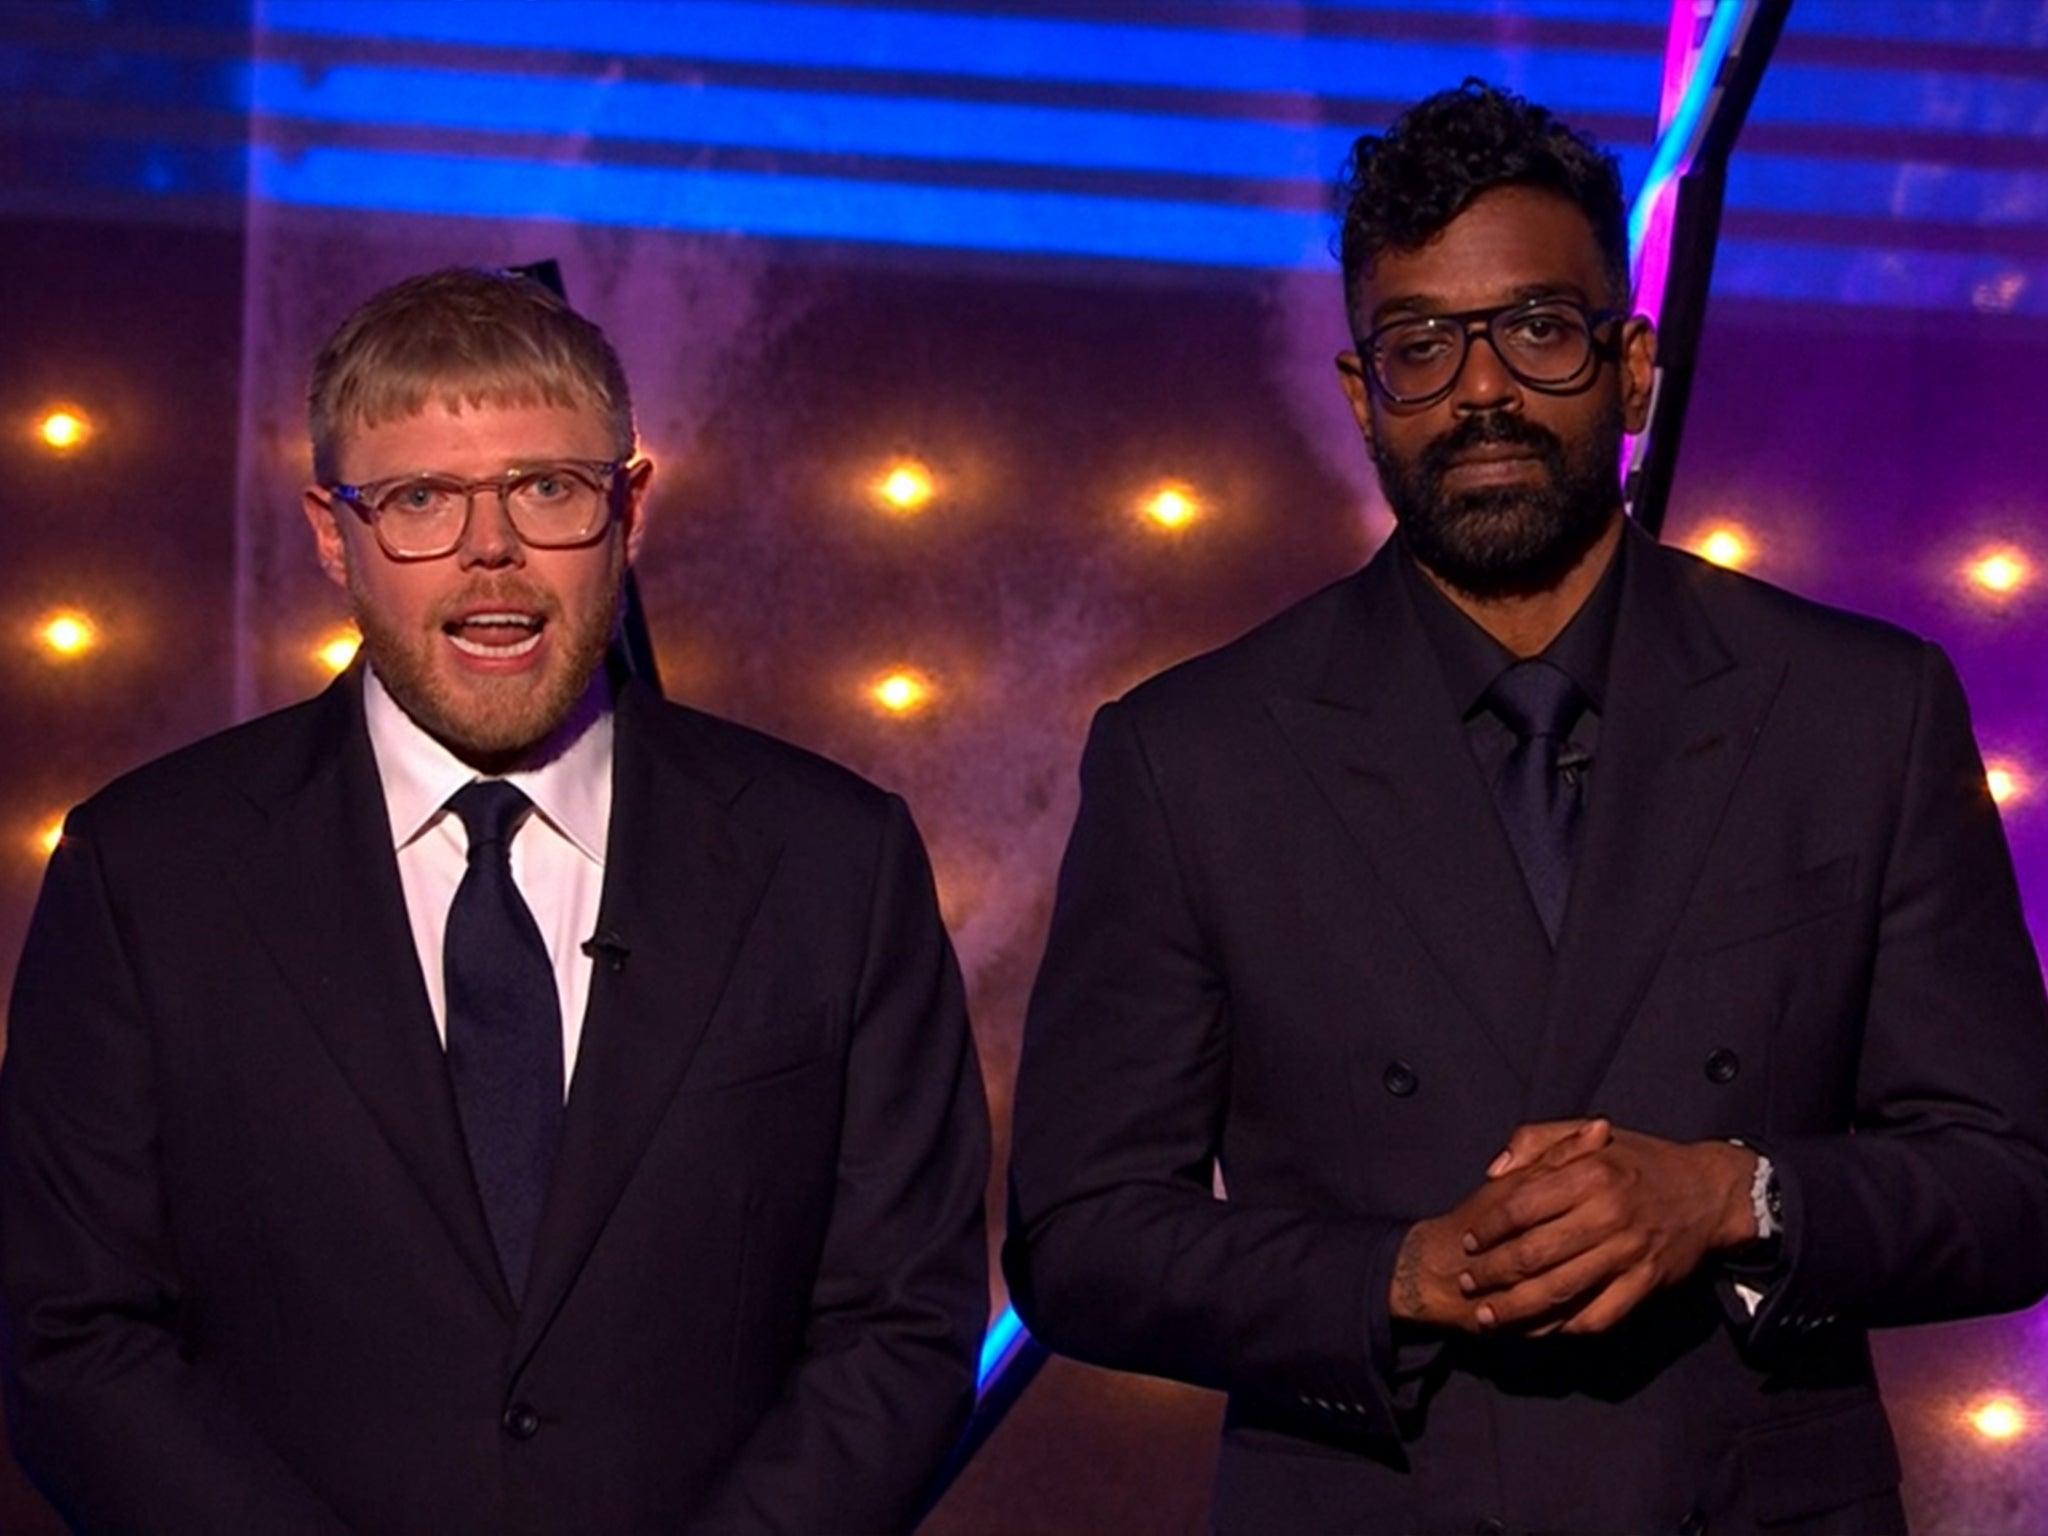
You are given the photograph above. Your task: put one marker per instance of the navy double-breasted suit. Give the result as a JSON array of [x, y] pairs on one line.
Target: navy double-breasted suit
[[1292, 941]]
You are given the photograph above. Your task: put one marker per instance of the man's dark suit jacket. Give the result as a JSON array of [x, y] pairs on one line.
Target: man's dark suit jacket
[[248, 1282], [1291, 937]]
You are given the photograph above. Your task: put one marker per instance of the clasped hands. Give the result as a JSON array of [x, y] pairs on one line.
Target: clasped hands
[[1576, 1223]]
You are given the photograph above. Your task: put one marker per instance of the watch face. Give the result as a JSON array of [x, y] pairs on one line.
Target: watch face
[[1767, 1201]]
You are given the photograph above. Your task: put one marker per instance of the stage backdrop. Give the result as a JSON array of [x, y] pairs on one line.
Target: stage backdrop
[[984, 351]]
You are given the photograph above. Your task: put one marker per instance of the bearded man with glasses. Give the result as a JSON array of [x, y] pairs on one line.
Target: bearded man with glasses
[[1516, 1019], [487, 1098]]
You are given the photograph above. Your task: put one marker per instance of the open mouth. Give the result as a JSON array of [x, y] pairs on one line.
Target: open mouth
[[494, 636]]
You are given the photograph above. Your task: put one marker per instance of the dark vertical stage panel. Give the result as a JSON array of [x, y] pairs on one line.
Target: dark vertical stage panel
[[140, 327], [122, 188]]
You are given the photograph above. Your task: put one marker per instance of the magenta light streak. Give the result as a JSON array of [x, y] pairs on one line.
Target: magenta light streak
[[1658, 199]]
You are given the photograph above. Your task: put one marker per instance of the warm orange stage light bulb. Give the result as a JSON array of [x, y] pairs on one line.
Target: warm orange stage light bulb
[[338, 650], [901, 693], [906, 487], [1999, 1419], [1172, 506], [62, 429], [1726, 546], [2006, 782], [67, 634], [48, 836], [1999, 572]]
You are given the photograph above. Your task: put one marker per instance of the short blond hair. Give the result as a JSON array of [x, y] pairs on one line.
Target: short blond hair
[[467, 337]]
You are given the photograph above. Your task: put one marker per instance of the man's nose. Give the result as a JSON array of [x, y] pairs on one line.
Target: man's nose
[[489, 539], [1484, 382]]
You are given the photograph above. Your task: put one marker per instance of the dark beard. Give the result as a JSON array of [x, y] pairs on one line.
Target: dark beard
[[1506, 541]]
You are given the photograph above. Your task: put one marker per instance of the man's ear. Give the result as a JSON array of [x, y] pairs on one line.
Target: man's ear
[[633, 506], [1351, 374], [1638, 371], [328, 545]]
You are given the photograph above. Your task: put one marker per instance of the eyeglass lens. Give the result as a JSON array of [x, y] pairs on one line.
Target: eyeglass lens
[[1539, 343], [554, 504]]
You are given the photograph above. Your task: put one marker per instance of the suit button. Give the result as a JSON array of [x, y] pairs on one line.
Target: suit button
[[1400, 1080], [521, 1422], [1694, 1524], [1722, 1065], [1490, 1527]]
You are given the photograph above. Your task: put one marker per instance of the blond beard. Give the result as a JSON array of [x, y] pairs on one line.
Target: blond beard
[[494, 723]]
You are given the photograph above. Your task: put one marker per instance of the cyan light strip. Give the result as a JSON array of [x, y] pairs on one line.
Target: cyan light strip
[[1004, 1335], [801, 207], [1675, 144]]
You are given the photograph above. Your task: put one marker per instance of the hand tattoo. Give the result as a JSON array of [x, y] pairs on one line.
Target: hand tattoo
[[1408, 1276]]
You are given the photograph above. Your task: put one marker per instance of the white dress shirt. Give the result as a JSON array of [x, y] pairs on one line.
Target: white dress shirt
[[557, 852]]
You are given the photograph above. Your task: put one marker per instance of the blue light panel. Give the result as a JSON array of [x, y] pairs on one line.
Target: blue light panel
[[795, 207], [1875, 169], [903, 41], [808, 122]]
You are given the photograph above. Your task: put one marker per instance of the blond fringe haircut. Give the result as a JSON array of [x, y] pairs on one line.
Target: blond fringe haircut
[[466, 337]]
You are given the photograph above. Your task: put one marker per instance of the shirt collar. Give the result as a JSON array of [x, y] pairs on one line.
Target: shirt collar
[[1471, 658], [572, 790]]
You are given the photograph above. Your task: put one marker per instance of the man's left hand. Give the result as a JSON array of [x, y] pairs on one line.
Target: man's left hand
[[1581, 1242]]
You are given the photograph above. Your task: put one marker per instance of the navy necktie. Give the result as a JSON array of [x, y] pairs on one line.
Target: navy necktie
[[504, 1028], [1539, 800]]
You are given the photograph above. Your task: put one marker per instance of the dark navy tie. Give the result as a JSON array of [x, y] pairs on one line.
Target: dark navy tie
[[504, 1028], [1539, 800]]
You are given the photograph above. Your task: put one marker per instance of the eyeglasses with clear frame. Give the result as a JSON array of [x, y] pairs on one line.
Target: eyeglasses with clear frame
[[554, 505], [1549, 344]]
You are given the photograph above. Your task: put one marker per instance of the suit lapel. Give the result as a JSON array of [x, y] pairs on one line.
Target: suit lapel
[[1384, 743], [1682, 715], [683, 882], [320, 887]]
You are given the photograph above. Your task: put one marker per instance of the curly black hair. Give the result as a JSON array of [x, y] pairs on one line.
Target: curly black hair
[[1400, 188]]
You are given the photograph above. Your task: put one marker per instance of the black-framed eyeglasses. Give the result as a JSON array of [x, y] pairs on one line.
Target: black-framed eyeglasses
[[554, 505], [1548, 344]]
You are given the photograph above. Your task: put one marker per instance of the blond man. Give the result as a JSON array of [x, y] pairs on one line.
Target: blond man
[[486, 1097]]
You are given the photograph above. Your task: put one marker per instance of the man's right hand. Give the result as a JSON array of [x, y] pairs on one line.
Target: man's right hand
[[1433, 1255]]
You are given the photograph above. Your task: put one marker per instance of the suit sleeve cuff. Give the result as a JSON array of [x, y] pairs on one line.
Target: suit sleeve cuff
[[1752, 1278], [1401, 1354]]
